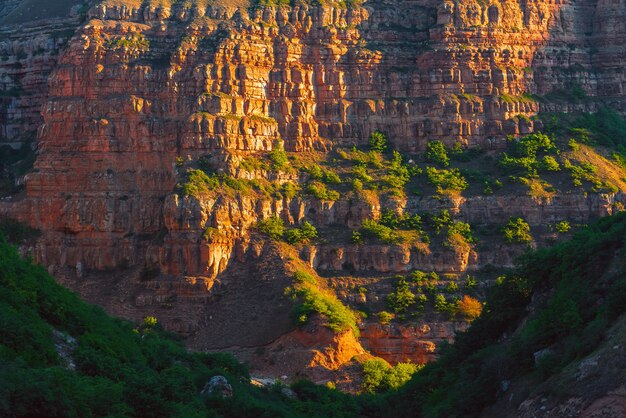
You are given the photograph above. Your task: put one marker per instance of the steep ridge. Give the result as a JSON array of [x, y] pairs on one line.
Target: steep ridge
[[146, 90]]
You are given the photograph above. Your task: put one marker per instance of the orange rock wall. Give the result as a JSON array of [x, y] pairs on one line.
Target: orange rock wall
[[137, 87]]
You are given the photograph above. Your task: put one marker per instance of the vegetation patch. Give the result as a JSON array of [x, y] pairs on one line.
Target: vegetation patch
[[312, 299], [379, 376], [517, 231]]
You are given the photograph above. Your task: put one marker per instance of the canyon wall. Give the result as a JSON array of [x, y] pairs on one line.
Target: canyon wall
[[141, 87]]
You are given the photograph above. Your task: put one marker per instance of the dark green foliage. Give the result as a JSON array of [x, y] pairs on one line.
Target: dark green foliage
[[440, 221], [605, 127], [122, 370], [119, 372], [523, 153], [17, 232], [405, 221]]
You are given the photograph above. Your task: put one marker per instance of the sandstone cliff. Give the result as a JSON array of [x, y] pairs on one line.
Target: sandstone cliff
[[144, 89]]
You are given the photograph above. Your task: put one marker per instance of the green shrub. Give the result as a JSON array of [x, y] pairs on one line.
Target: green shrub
[[517, 230], [384, 317], [378, 142], [198, 182], [316, 172], [440, 221], [446, 180], [436, 153], [274, 3], [330, 177], [402, 299], [400, 374], [549, 163], [573, 145], [442, 305], [251, 163], [373, 229], [134, 41], [562, 227], [278, 156], [290, 190], [320, 191], [405, 221], [305, 233], [463, 229], [524, 152], [378, 375], [530, 145], [273, 226], [360, 173], [452, 287]]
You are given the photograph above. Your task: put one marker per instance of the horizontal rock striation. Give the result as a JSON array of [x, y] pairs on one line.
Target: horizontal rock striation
[[142, 85]]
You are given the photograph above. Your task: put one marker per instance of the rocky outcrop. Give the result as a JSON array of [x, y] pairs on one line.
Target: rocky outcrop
[[416, 343]]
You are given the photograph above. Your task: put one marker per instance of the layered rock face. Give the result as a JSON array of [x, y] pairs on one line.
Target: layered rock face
[[135, 89], [142, 87]]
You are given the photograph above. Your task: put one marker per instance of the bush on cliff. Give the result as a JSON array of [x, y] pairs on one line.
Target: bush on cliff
[[312, 298], [274, 227], [378, 141], [306, 233], [436, 153], [517, 230], [379, 376]]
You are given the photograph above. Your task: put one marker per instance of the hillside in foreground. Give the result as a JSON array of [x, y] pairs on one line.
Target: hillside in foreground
[[551, 338]]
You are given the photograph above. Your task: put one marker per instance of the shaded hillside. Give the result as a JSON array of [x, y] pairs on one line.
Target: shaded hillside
[[62, 357], [542, 339]]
